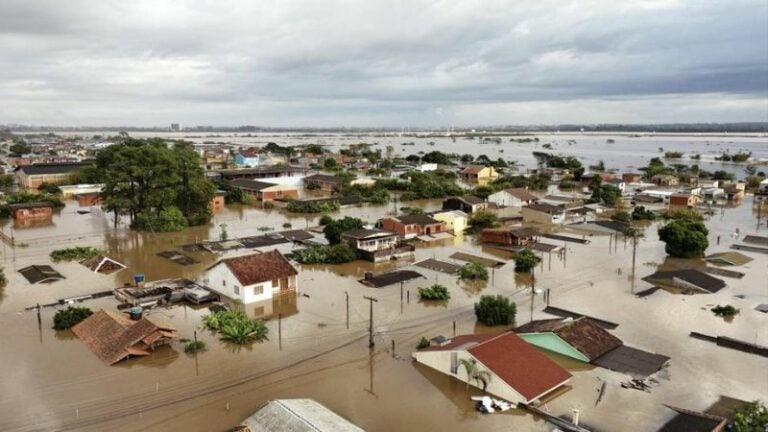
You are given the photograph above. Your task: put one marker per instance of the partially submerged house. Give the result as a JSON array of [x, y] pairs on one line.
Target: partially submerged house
[[37, 274], [509, 237], [688, 279], [410, 226], [728, 258], [32, 176], [466, 204], [455, 220], [513, 197], [478, 174], [518, 372], [253, 278], [113, 337], [264, 191], [37, 211], [296, 415], [377, 245], [102, 264], [248, 158], [686, 420], [324, 182], [543, 214]]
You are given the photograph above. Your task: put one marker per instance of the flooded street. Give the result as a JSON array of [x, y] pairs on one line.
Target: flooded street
[[53, 382]]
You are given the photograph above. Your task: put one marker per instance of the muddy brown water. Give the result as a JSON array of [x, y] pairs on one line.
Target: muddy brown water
[[53, 382]]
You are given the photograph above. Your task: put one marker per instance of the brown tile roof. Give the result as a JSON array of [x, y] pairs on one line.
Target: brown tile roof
[[522, 194], [112, 336], [526, 369], [260, 267], [473, 169], [584, 334]]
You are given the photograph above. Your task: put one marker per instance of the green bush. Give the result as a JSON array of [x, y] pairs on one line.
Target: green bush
[[192, 347], [525, 261], [751, 418], [684, 238], [170, 219], [641, 213], [724, 311], [66, 318], [3, 279], [473, 271], [313, 206], [434, 292], [621, 216], [335, 228], [483, 219], [49, 188], [322, 254], [236, 327], [495, 310], [75, 253], [423, 343]]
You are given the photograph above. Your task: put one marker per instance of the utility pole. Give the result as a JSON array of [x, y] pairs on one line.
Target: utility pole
[[280, 331], [370, 325], [347, 294]]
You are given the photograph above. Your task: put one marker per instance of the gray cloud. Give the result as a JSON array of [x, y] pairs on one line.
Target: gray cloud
[[382, 63]]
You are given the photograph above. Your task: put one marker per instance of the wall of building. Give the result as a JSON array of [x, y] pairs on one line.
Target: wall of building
[[453, 222], [220, 279], [530, 215]]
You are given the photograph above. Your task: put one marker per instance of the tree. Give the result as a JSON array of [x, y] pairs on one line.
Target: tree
[[6, 181], [333, 230], [751, 418], [525, 261], [495, 310], [169, 219], [635, 234], [474, 373], [236, 327], [330, 164], [641, 213], [473, 271], [621, 216], [684, 238], [20, 148], [434, 292], [66, 318], [49, 188], [483, 219]]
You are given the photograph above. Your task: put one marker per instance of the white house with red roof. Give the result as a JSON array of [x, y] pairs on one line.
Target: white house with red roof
[[252, 278], [519, 373]]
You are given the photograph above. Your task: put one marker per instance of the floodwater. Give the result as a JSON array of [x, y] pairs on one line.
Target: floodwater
[[53, 382]]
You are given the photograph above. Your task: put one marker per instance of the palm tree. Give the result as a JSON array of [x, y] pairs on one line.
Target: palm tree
[[474, 373], [635, 234]]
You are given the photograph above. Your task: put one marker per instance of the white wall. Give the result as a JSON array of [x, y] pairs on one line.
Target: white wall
[[221, 279]]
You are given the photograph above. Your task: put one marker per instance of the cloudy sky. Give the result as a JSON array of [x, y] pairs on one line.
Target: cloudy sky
[[382, 63]]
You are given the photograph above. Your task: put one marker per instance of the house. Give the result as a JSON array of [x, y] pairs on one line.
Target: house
[[692, 421], [518, 373], [688, 279], [665, 180], [264, 191], [32, 211], [511, 237], [36, 274], [88, 199], [712, 194], [296, 415], [248, 158], [544, 214], [735, 191], [565, 200], [31, 176], [377, 245], [71, 191], [113, 337], [466, 203], [514, 197], [409, 226], [455, 220], [102, 264], [582, 339], [260, 172], [683, 199], [426, 167], [219, 200], [253, 278], [478, 174], [324, 182], [631, 177]]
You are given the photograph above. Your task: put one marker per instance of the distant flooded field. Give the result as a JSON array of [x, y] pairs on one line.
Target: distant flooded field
[[53, 382]]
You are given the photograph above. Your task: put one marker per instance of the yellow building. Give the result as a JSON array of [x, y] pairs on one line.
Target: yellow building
[[455, 220]]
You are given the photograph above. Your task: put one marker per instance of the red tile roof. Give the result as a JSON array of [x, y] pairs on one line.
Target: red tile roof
[[522, 194], [473, 169], [260, 267], [527, 370]]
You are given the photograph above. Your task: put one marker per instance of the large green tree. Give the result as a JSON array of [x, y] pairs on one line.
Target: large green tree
[[684, 238], [148, 180]]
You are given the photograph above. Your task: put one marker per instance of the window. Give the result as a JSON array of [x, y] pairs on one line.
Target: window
[[237, 290], [258, 290], [275, 283], [224, 283]]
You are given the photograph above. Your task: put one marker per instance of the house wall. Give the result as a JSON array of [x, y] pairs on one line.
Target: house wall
[[373, 244], [217, 202], [221, 279], [505, 199], [552, 342], [34, 181], [441, 361], [42, 213], [453, 222], [281, 192]]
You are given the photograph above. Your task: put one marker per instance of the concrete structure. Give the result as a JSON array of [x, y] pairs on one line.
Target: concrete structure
[[31, 176], [252, 278], [509, 237], [665, 180], [264, 191], [631, 177], [248, 158], [544, 214], [409, 226], [683, 200], [38, 211], [514, 197], [518, 372], [455, 220], [324, 182], [69, 191], [377, 245], [466, 203]]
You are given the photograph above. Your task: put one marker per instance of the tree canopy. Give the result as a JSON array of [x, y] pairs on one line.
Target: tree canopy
[[335, 228], [154, 184], [684, 238]]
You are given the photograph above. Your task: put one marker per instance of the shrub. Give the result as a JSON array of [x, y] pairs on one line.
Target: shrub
[[287, 225], [525, 261], [423, 343], [621, 216], [322, 254], [170, 219], [495, 310], [335, 228], [75, 253], [684, 238], [49, 188], [473, 271], [752, 417], [192, 347], [483, 219], [236, 327], [641, 213], [66, 318], [724, 311], [313, 206], [3, 279], [434, 292]]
